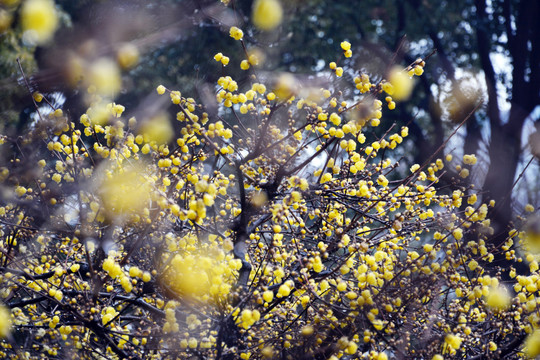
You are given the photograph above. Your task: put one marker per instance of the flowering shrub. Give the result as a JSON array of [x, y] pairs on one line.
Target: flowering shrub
[[281, 225]]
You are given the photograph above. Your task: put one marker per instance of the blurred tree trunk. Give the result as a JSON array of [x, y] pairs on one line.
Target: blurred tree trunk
[[505, 143]]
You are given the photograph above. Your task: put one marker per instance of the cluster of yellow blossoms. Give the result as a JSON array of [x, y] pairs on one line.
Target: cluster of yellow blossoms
[[283, 223]]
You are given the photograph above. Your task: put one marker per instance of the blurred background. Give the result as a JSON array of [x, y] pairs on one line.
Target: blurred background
[[483, 61]]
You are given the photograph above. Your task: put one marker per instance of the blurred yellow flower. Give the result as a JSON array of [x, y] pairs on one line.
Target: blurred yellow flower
[[532, 344], [5, 321], [286, 86], [498, 298], [401, 82], [267, 14], [127, 56], [5, 20], [39, 20], [104, 76], [124, 191], [158, 129], [531, 239]]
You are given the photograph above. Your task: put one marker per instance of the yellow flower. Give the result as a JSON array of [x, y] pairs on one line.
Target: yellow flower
[[352, 347], [458, 234], [37, 96], [267, 14], [326, 178], [453, 341], [39, 20], [268, 295], [20, 190], [473, 264], [284, 290], [469, 159], [236, 33], [146, 277], [345, 45], [382, 180], [244, 65], [161, 89], [192, 343]]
